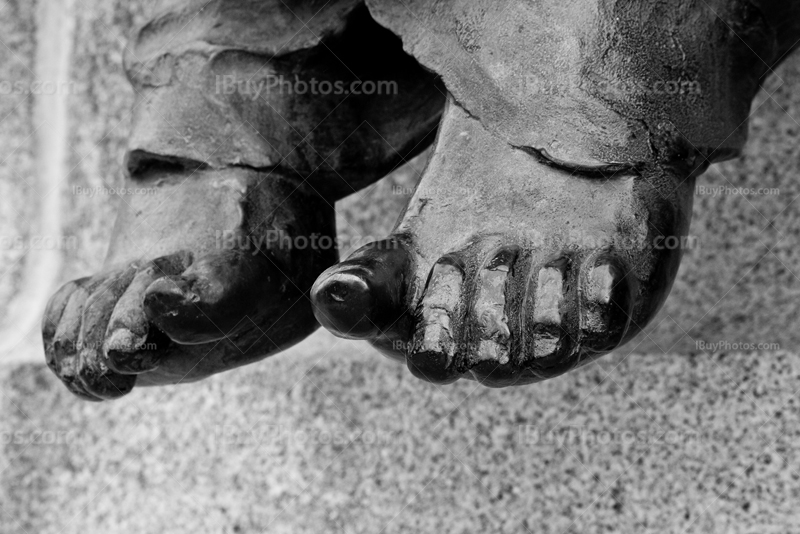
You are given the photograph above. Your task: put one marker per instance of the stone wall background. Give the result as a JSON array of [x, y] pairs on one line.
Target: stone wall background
[[17, 171], [330, 437]]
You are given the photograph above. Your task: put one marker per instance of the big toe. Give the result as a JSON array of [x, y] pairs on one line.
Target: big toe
[[216, 296], [362, 298]]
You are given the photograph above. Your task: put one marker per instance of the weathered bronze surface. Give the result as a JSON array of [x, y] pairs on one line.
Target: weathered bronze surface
[[210, 272], [546, 230]]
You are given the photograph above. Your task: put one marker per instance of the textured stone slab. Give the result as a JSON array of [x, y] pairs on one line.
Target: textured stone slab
[[19, 188], [331, 437], [328, 438]]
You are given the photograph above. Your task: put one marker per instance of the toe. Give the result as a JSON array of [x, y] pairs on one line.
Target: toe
[[65, 347], [550, 317], [607, 292], [52, 317], [574, 310], [434, 347], [362, 298], [489, 342], [93, 371], [131, 345], [346, 304], [215, 296]]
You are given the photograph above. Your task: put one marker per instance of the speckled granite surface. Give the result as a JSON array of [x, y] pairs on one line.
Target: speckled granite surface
[[100, 111], [329, 438], [668, 435], [17, 178]]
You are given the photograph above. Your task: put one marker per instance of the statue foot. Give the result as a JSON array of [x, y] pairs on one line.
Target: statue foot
[[203, 275], [509, 267], [238, 169], [549, 225]]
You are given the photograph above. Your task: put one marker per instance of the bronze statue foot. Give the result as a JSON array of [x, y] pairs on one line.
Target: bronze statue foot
[[246, 131], [199, 280], [547, 229], [510, 267], [549, 224]]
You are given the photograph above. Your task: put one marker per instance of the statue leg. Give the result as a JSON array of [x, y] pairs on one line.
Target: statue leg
[[550, 222], [252, 118]]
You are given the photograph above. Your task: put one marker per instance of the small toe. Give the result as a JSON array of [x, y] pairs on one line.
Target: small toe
[[93, 371], [434, 346], [130, 341], [490, 341], [549, 311], [52, 318], [607, 297], [65, 345], [215, 296]]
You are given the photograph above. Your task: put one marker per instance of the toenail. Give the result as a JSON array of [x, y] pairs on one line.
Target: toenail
[[488, 350], [603, 279]]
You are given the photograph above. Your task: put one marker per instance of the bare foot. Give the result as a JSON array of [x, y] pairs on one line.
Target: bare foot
[[549, 225], [510, 267], [211, 263], [198, 281]]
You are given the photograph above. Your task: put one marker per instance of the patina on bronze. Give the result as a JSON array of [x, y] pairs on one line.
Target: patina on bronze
[[569, 138], [211, 272], [547, 227]]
